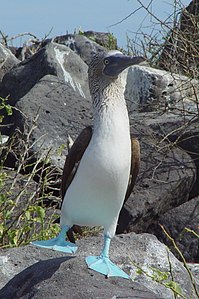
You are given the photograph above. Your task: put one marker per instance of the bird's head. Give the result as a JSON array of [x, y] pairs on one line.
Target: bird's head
[[111, 64]]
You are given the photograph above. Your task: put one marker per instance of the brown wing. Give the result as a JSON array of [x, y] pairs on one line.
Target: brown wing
[[124, 219], [135, 165], [73, 158], [70, 167]]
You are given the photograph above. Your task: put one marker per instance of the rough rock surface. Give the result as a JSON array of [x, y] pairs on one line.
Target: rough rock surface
[[61, 112], [187, 138], [150, 89], [180, 130], [107, 40], [175, 221], [54, 59], [7, 60], [172, 107], [30, 272], [180, 49], [53, 84], [82, 45], [166, 177]]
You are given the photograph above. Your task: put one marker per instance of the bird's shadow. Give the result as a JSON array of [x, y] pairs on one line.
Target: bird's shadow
[[22, 283]]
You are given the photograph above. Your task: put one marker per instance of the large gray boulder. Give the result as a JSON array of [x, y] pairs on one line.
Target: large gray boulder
[[84, 46], [164, 116], [167, 103], [167, 175], [52, 87], [180, 50], [176, 221], [53, 59], [30, 272], [150, 89], [183, 131], [60, 111]]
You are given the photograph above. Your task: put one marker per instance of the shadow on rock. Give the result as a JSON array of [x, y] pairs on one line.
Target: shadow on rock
[[23, 282]]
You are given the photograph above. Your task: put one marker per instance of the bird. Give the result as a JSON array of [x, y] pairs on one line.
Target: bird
[[75, 153], [94, 192]]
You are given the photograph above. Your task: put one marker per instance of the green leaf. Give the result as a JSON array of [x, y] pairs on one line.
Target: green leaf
[[159, 275], [41, 212], [139, 271], [1, 229], [174, 286], [8, 109], [7, 214], [15, 240], [27, 214]]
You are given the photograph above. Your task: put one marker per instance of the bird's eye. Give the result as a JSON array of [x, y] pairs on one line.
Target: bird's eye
[[106, 61]]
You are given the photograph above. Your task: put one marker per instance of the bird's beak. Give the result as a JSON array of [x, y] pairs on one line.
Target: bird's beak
[[119, 62]]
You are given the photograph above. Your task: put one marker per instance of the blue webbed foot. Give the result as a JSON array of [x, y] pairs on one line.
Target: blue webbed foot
[[59, 243], [103, 265], [56, 244]]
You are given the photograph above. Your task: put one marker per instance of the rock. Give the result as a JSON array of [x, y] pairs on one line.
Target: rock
[[7, 61], [183, 132], [105, 39], [54, 59], [175, 221], [81, 45], [3, 259], [62, 111], [150, 89], [146, 91], [166, 177], [85, 44], [53, 83], [180, 130], [187, 138], [40, 273], [180, 52], [195, 270], [153, 255]]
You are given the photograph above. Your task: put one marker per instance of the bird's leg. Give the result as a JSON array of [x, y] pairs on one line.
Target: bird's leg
[[59, 243], [105, 250], [103, 264]]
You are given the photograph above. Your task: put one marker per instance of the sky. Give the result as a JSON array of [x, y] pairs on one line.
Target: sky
[[59, 17]]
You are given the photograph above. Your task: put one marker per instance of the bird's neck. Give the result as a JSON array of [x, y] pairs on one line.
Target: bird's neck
[[109, 109], [106, 93]]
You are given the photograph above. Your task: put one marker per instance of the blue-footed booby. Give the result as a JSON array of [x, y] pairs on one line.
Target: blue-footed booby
[[93, 195]]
